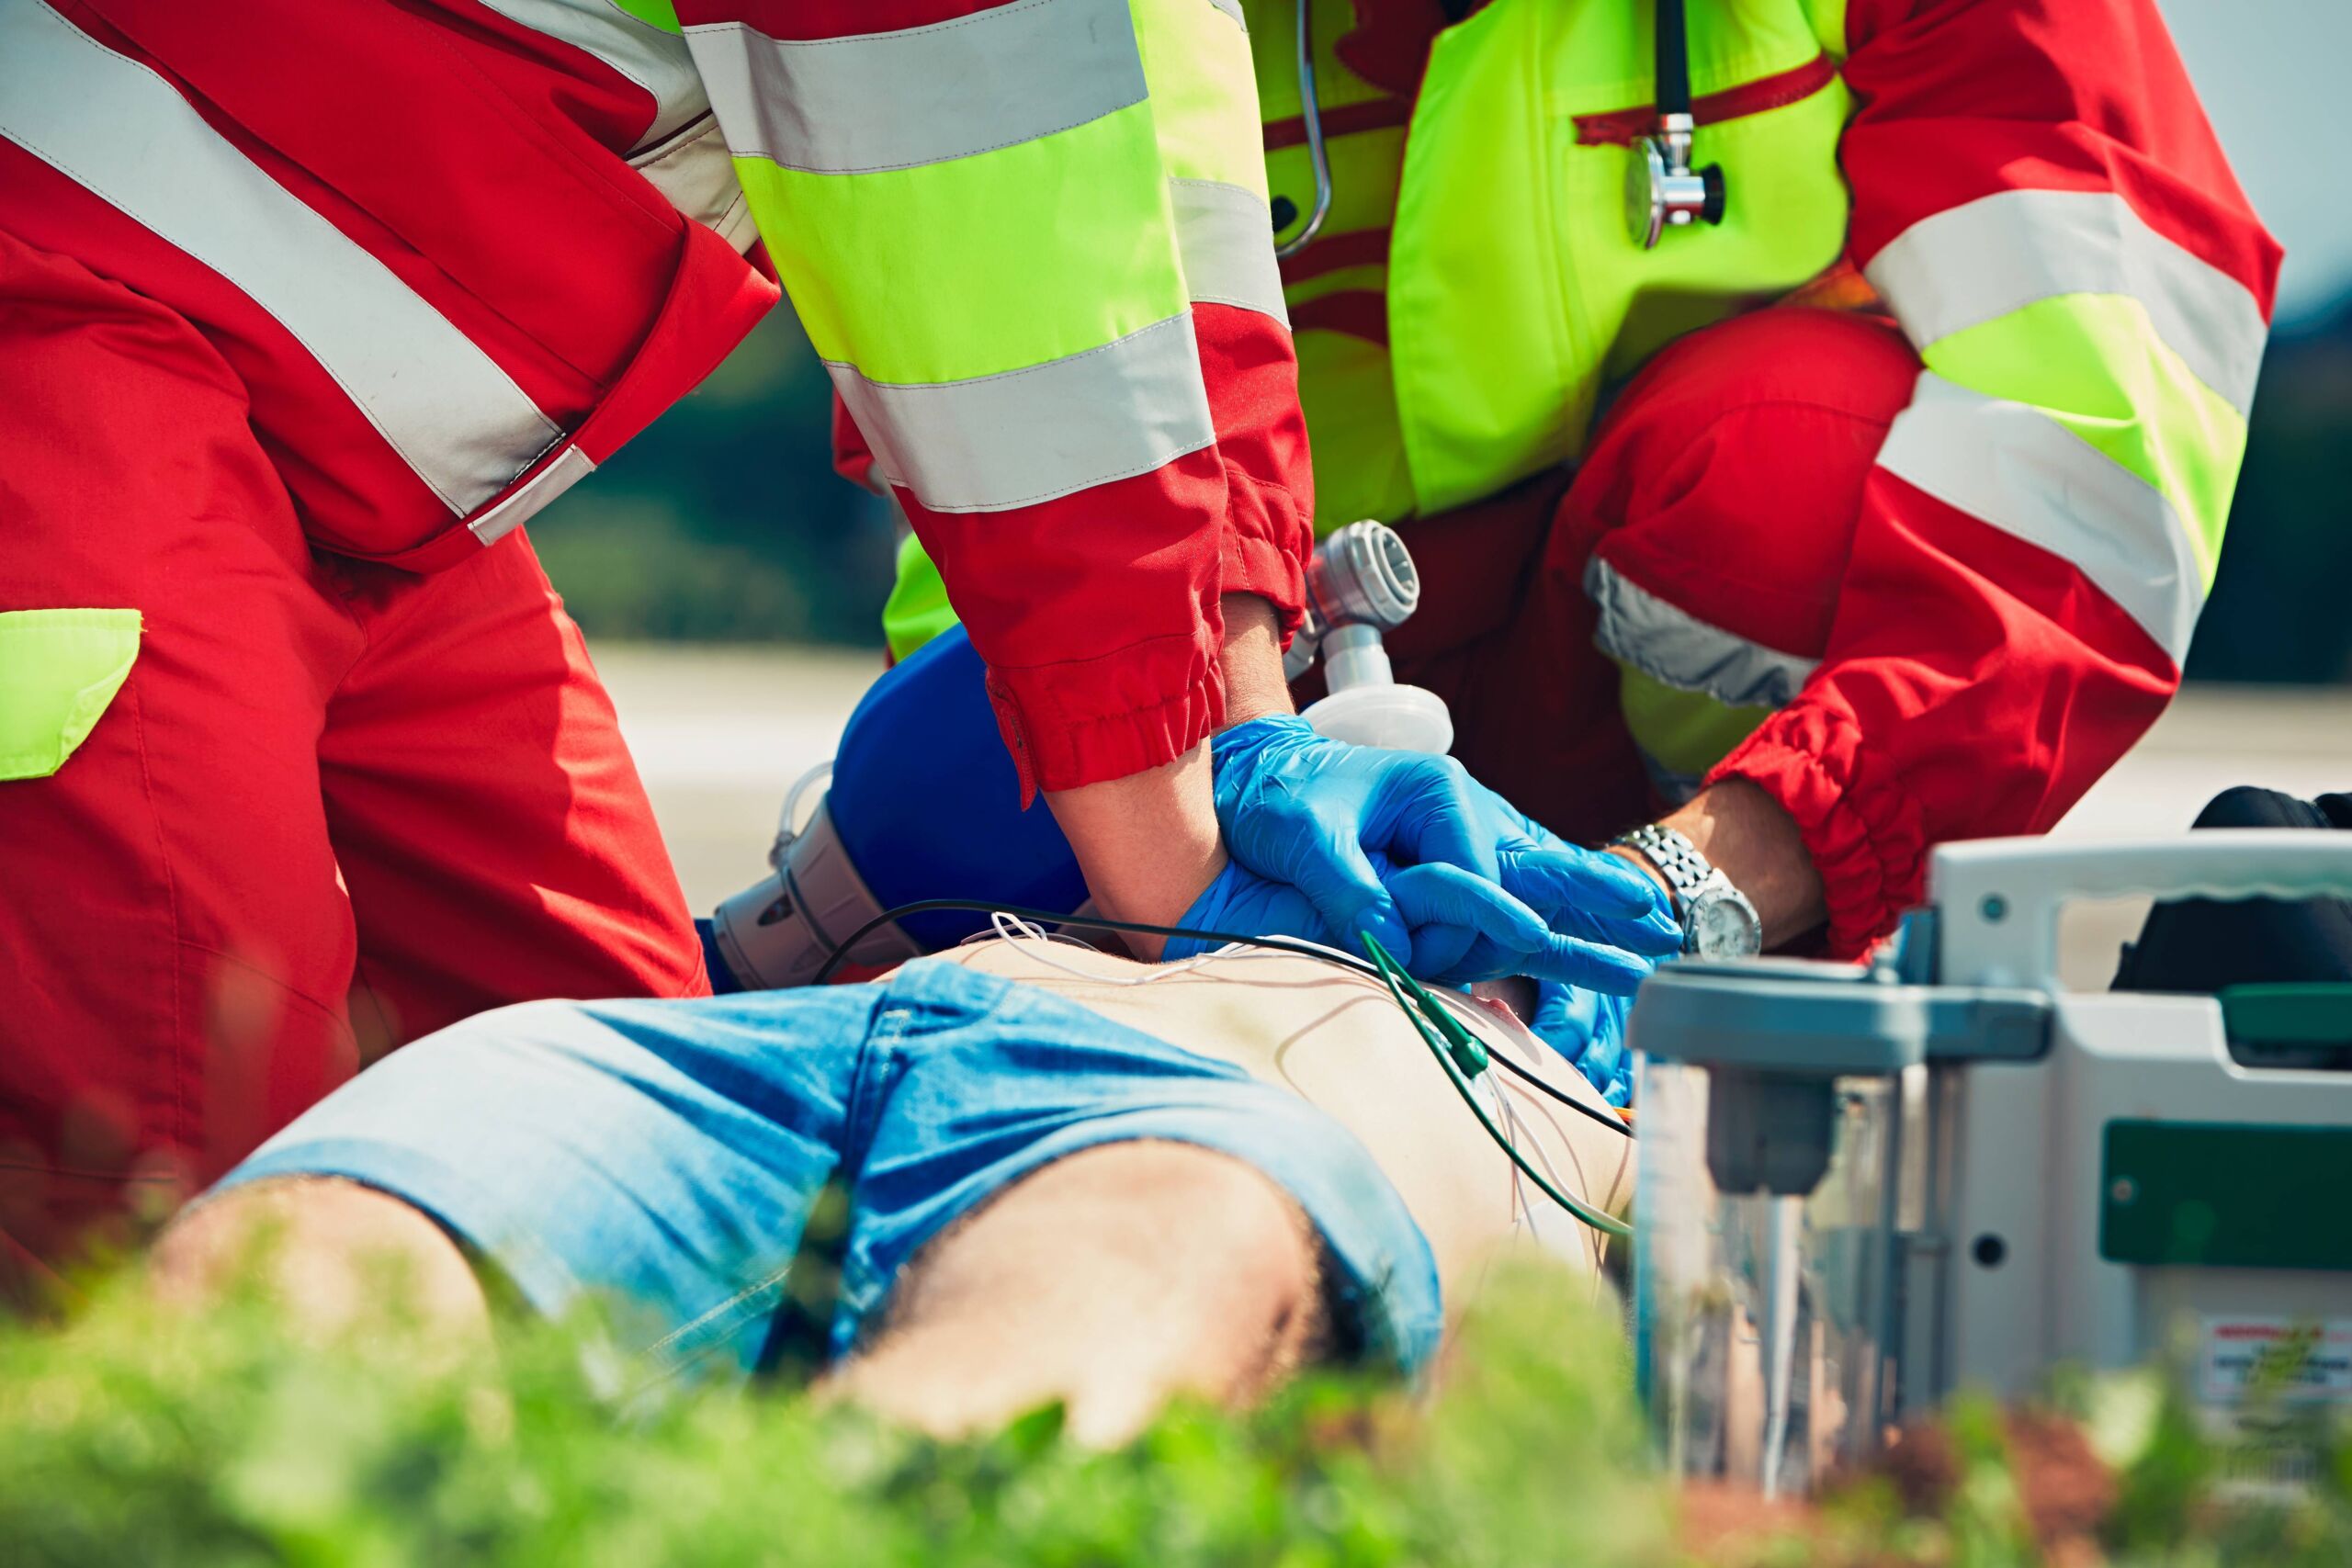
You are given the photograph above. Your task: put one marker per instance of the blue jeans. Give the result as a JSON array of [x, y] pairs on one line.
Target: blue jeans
[[663, 1155]]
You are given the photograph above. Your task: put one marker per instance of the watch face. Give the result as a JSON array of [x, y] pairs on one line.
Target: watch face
[[1725, 926]]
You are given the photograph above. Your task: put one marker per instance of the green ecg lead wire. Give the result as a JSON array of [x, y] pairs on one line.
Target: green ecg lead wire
[[1461, 1057]]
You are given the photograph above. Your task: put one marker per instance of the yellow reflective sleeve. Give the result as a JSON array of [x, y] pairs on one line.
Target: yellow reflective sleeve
[[59, 668], [1204, 93], [976, 266], [2096, 365]]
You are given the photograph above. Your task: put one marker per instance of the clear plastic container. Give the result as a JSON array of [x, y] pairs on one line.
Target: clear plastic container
[[1765, 1324]]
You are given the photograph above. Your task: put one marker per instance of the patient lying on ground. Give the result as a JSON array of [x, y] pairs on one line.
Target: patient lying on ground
[[1069, 1176]]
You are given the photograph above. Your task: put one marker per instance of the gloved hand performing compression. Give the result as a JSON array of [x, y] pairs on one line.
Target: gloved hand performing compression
[[1320, 834], [1309, 814], [1588, 1027], [1440, 908]]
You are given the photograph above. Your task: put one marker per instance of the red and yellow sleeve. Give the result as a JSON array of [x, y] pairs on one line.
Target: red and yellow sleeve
[[1012, 234], [2040, 201]]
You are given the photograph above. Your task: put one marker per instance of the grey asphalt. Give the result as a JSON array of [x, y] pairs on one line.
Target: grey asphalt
[[720, 733]]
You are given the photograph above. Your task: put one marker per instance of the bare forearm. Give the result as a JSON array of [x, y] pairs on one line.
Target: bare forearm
[[1251, 660], [1745, 834], [1149, 843]]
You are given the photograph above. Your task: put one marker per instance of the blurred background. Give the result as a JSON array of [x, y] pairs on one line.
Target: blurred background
[[724, 525]]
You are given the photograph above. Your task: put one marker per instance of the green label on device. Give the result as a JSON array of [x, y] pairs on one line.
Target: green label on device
[[2218, 1195]]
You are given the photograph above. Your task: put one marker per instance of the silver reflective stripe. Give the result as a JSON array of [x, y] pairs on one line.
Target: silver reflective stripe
[[1233, 8], [656, 60], [1224, 236], [694, 174], [897, 100], [2013, 466], [118, 130], [1671, 645], [571, 465], [1978, 262], [998, 441], [692, 169]]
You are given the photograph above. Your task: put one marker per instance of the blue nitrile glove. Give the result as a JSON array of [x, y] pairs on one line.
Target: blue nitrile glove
[[1590, 897], [1431, 900], [1588, 1029], [1308, 813], [1602, 899]]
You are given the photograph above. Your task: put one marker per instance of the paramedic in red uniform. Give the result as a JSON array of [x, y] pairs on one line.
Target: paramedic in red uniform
[[1914, 555], [306, 305], [1875, 512]]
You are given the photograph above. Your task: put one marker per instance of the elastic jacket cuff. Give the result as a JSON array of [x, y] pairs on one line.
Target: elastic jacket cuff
[[1266, 542], [1861, 827], [1088, 721]]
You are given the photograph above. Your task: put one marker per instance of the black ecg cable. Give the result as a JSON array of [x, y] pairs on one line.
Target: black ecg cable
[[1614, 1122], [1445, 1034], [1093, 922], [831, 966]]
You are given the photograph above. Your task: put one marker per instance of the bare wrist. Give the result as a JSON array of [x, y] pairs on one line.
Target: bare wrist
[[1147, 843], [1751, 838], [1252, 659], [1648, 866]]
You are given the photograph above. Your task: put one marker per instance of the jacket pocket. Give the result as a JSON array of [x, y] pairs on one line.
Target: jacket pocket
[[59, 668], [1623, 127]]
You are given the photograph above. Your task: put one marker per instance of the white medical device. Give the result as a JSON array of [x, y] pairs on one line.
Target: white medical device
[[1860, 1189], [1361, 584]]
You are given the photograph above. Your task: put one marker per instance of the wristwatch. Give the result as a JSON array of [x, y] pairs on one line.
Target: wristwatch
[[1717, 920]]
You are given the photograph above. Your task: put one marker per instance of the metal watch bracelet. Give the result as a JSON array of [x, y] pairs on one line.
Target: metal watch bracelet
[[1717, 920]]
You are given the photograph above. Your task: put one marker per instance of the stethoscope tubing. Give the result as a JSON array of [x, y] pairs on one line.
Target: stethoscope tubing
[[1310, 114], [1673, 80]]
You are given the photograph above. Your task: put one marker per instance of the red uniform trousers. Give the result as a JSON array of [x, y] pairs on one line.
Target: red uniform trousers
[[333, 807], [1726, 478]]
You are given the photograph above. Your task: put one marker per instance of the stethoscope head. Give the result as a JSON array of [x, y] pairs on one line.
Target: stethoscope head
[[1663, 191]]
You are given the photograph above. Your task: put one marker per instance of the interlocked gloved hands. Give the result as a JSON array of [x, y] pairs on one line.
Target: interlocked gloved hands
[[1579, 893], [1449, 876], [1438, 905], [1588, 1027], [1584, 1024]]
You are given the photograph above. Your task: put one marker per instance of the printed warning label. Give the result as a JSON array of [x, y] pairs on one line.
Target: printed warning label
[[2280, 1358]]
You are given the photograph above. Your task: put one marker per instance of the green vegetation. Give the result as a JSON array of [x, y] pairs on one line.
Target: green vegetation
[[126, 1438]]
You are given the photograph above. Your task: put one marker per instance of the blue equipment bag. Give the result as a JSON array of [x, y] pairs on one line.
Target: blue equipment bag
[[925, 801]]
